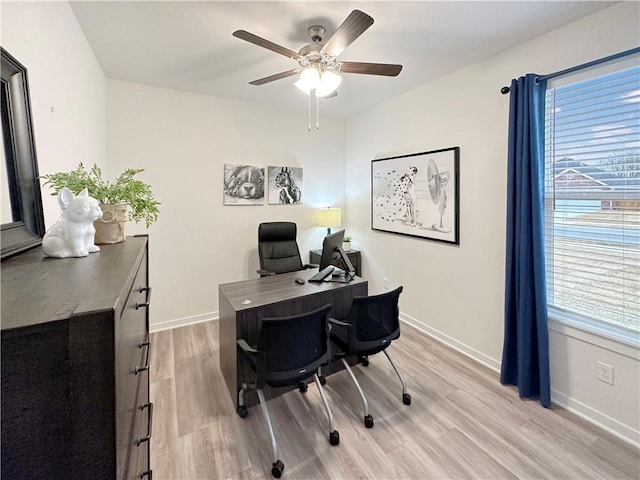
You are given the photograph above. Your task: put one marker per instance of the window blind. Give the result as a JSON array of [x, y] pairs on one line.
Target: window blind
[[592, 198]]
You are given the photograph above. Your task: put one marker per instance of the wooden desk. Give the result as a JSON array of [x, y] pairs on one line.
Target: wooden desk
[[275, 296]]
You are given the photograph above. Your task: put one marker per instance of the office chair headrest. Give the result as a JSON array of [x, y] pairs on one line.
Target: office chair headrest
[[277, 231]]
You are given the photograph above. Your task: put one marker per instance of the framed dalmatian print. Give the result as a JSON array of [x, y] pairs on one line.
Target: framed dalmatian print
[[418, 195]]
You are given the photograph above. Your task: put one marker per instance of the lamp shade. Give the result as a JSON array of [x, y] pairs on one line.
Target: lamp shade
[[329, 82], [309, 80], [324, 83], [329, 217]]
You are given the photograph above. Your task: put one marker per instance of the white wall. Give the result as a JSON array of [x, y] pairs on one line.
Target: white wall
[[456, 293], [182, 141], [67, 87]]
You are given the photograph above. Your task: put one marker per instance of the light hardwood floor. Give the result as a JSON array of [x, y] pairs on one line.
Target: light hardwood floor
[[462, 423]]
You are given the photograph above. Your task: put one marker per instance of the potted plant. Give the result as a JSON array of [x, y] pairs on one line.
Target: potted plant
[[346, 243], [125, 199]]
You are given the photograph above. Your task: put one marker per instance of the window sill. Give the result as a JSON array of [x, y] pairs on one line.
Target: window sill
[[611, 338]]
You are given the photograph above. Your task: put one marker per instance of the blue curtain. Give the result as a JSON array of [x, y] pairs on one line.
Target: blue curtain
[[525, 356]]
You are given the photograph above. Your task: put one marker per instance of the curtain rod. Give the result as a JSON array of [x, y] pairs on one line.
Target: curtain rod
[[615, 56]]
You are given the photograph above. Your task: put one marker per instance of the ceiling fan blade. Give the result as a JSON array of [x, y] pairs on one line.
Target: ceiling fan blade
[[386, 69], [271, 78], [352, 27], [261, 42]]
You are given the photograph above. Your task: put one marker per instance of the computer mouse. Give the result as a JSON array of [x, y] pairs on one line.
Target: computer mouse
[[300, 281]]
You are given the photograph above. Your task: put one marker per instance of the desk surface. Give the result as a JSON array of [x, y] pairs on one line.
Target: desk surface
[[275, 289]]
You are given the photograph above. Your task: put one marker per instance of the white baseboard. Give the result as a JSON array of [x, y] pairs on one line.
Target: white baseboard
[[453, 343], [183, 322], [611, 425]]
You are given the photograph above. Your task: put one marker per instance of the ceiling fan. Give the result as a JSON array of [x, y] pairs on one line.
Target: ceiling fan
[[318, 64]]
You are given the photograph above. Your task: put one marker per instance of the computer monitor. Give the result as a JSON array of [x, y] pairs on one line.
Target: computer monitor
[[332, 253]]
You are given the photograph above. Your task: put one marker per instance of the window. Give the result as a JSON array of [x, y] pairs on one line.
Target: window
[[592, 200]]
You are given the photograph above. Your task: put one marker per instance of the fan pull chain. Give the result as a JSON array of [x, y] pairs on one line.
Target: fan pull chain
[[309, 112], [317, 112], [313, 93]]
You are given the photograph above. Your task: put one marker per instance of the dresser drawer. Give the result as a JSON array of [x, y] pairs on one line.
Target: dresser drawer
[[139, 462], [132, 361], [132, 327]]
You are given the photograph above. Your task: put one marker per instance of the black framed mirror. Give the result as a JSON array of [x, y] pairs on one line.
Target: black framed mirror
[[22, 216]]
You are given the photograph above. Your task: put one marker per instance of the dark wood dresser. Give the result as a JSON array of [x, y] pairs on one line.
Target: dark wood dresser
[[75, 365]]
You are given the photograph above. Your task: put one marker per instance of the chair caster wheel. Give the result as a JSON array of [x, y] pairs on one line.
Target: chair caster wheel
[[243, 411], [365, 361], [334, 438], [368, 421], [302, 386], [277, 468], [406, 399], [323, 380]]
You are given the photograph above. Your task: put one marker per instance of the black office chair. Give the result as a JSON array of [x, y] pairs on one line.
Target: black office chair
[[372, 324], [289, 350], [278, 249]]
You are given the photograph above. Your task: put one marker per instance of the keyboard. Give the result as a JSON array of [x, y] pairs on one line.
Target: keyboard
[[322, 274]]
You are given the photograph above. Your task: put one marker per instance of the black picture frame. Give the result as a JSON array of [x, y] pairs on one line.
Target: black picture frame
[[26, 229], [418, 195]]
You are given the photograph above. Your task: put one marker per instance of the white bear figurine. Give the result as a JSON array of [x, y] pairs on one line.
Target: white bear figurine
[[73, 233]]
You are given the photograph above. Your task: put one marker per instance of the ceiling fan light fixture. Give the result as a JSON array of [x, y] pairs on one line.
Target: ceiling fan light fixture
[[329, 82], [318, 66], [309, 80]]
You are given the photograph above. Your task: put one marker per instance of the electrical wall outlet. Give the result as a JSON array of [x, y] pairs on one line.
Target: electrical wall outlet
[[385, 283], [605, 373]]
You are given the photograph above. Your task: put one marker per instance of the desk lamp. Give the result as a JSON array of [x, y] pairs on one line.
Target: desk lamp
[[329, 217]]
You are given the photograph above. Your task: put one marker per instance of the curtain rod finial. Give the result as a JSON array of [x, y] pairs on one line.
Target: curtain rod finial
[[505, 90]]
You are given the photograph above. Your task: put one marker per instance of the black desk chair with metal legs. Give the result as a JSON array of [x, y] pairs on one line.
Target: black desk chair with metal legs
[[290, 350], [278, 249], [372, 324]]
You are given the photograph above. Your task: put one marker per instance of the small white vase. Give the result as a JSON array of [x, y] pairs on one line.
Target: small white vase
[[346, 246]]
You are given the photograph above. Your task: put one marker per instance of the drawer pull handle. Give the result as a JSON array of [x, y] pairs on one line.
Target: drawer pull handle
[[146, 343], [140, 440], [148, 299], [147, 473], [145, 367]]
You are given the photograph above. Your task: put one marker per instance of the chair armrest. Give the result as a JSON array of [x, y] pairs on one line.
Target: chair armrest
[[339, 339], [339, 323], [311, 265], [245, 347], [265, 273]]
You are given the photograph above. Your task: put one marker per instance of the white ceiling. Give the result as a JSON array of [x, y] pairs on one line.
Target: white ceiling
[[188, 45]]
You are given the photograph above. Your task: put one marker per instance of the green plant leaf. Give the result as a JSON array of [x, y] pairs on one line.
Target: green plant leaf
[[126, 189]]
